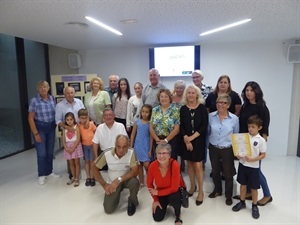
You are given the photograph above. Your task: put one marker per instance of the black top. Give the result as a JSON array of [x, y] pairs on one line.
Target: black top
[[192, 120], [211, 99], [259, 109]]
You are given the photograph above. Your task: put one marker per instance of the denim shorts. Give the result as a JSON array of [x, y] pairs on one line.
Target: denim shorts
[[88, 152]]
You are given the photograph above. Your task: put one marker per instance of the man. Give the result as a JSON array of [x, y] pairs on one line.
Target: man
[[68, 104], [149, 95], [122, 172], [107, 132], [198, 77], [113, 85]]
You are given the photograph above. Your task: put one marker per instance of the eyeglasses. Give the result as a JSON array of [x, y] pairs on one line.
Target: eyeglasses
[[222, 103], [195, 77], [163, 153]]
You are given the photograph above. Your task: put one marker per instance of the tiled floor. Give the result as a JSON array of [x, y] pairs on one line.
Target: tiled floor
[[24, 201]]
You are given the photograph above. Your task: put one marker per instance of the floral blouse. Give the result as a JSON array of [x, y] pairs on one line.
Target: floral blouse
[[163, 124]]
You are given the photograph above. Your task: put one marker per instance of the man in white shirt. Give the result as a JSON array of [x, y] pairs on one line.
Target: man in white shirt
[[107, 132]]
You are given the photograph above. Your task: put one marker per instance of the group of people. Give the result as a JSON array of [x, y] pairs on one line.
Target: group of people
[[146, 133]]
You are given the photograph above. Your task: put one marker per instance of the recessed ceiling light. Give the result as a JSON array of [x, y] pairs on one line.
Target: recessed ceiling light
[[128, 21], [103, 25], [225, 27], [74, 23]]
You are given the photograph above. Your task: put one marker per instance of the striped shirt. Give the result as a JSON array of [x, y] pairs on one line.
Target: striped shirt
[[44, 109]]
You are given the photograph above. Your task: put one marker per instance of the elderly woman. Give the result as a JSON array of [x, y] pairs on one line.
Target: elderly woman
[[179, 87], [96, 100], [164, 123], [224, 87], [41, 118], [222, 124], [193, 126], [164, 181]]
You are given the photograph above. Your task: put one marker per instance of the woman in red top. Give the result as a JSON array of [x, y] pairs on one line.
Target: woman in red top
[[163, 180]]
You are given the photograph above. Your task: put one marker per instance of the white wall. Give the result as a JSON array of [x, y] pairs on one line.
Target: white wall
[[264, 63]]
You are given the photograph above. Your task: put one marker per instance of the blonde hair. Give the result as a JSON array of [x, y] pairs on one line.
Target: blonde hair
[[100, 81], [200, 99], [42, 83]]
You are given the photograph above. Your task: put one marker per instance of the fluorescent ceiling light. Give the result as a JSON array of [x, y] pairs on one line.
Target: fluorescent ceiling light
[[225, 27], [103, 25]]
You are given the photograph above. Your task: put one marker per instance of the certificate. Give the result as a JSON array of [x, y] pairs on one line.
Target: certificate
[[241, 144]]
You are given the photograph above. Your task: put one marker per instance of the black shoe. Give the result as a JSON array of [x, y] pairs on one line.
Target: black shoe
[[191, 194], [88, 182], [214, 194], [92, 182], [131, 209], [239, 206], [228, 201], [260, 203], [198, 202], [255, 212], [178, 220]]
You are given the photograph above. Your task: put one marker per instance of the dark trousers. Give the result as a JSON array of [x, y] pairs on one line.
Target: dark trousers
[[222, 158], [173, 199]]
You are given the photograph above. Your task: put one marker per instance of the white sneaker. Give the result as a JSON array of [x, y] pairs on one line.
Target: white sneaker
[[54, 175], [42, 180]]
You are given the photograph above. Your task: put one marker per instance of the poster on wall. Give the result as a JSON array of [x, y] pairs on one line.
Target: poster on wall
[[80, 82]]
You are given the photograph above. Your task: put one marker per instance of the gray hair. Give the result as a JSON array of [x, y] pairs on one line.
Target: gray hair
[[122, 136], [180, 83], [198, 72], [163, 146]]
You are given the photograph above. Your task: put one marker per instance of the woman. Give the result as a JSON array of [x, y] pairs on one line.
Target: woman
[[177, 100], [224, 87], [96, 100], [164, 123], [120, 102], [179, 87], [164, 181], [222, 124], [41, 118], [254, 104], [133, 105], [193, 126]]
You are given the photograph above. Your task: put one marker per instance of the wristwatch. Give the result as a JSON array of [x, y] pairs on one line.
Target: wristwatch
[[119, 179]]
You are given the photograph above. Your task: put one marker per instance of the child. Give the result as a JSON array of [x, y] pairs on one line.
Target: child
[[120, 101], [87, 130], [72, 147], [248, 172], [142, 141]]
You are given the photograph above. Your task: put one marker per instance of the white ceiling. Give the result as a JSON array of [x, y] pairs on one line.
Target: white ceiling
[[163, 22]]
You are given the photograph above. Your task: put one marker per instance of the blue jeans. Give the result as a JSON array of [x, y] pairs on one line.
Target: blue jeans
[[45, 148], [263, 183]]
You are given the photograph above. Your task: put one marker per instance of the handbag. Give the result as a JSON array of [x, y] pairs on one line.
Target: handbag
[[183, 192], [184, 197]]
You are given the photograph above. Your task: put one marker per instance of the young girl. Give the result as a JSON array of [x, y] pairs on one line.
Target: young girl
[[133, 105], [120, 101], [72, 148], [140, 139]]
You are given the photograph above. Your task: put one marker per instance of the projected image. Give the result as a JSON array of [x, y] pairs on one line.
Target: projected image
[[175, 61]]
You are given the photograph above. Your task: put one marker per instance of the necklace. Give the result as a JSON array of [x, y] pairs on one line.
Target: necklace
[[192, 112]]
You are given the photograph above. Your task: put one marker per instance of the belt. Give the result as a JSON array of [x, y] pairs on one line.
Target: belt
[[221, 147]]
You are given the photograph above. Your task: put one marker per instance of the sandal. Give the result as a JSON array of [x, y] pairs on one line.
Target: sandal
[[76, 182], [178, 220], [70, 182]]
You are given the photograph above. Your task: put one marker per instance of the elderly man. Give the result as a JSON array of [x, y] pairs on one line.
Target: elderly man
[[68, 104], [198, 77], [113, 85], [122, 172], [107, 132], [149, 95]]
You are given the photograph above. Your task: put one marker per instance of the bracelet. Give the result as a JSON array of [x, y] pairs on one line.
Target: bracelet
[[166, 140], [36, 134]]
